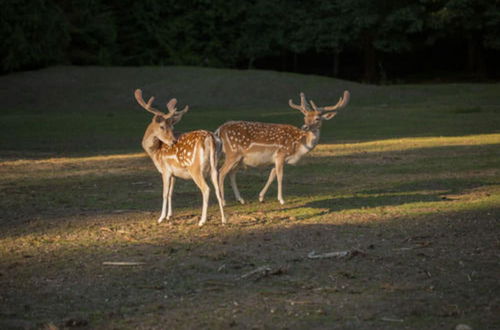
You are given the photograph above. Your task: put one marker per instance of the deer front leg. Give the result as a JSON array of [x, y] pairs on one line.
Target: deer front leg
[[280, 162], [270, 180], [166, 176], [170, 191]]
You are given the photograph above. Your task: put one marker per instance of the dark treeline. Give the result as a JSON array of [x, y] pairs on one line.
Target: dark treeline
[[369, 40]]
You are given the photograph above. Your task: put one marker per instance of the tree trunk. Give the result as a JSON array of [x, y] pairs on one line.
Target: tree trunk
[[475, 58], [370, 60], [336, 63], [295, 62], [251, 60]]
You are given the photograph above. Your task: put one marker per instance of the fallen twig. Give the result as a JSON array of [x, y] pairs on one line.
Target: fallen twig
[[262, 269], [336, 254], [389, 319], [265, 271], [123, 263], [419, 245]]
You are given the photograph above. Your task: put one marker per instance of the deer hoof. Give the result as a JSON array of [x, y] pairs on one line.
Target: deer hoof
[[160, 219], [282, 201], [241, 200], [261, 199]]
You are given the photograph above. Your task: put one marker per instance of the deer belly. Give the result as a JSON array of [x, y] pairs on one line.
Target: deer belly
[[261, 158], [181, 173]]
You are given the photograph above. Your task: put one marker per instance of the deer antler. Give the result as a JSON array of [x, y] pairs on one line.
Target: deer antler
[[172, 109], [343, 101], [303, 105], [147, 106], [183, 111], [313, 105], [171, 106]]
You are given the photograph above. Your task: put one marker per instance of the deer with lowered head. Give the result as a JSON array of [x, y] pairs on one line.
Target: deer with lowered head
[[192, 155], [259, 144]]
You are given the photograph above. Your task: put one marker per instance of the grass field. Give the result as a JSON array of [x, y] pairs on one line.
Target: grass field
[[407, 179]]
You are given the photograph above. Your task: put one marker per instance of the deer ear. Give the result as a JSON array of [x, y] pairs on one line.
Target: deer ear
[[329, 115]]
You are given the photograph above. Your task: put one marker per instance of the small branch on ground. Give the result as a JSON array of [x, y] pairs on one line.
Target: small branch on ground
[[264, 271], [123, 263], [336, 254], [390, 319]]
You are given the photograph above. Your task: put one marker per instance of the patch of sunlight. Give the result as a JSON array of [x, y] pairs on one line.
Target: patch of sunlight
[[422, 202], [64, 167], [81, 231], [404, 144], [435, 207], [70, 160]]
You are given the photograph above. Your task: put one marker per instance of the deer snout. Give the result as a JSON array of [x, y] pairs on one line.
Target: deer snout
[[169, 140]]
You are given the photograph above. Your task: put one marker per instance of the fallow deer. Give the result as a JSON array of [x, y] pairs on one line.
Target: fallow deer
[[190, 156], [257, 144]]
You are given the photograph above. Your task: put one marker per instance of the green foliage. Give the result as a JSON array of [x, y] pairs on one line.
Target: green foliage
[[33, 34], [332, 25], [141, 33], [398, 27], [466, 18], [263, 30], [92, 29], [220, 33]]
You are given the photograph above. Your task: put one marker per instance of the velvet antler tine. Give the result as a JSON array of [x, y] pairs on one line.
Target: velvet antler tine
[[302, 107], [147, 106], [343, 101]]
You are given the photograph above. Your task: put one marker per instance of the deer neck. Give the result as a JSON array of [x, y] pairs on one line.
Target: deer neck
[[152, 145], [311, 138]]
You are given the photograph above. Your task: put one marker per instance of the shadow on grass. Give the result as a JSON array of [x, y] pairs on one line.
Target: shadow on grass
[[53, 200], [423, 271], [362, 202]]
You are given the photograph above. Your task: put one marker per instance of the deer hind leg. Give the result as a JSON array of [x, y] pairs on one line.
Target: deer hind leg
[[205, 191], [166, 190], [229, 164], [232, 179], [215, 178], [215, 182], [270, 180], [170, 191], [280, 162]]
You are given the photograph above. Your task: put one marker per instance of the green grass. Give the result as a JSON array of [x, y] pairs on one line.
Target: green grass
[[88, 110], [408, 175]]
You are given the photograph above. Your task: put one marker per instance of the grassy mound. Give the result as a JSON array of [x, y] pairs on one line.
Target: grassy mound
[[75, 110]]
